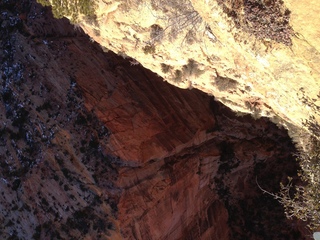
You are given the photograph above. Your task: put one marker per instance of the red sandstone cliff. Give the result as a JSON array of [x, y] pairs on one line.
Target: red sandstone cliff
[[92, 147]]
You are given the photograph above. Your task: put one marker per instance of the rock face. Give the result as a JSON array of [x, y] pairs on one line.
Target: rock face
[[93, 146], [209, 191], [258, 57]]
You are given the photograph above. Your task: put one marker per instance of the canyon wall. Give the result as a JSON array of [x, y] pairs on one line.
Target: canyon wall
[[94, 146], [257, 57]]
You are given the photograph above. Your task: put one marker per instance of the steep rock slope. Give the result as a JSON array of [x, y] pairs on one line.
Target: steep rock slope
[[55, 180], [256, 57], [209, 191], [95, 148]]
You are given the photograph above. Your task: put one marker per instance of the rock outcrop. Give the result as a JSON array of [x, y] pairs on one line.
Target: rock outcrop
[[257, 57], [94, 146]]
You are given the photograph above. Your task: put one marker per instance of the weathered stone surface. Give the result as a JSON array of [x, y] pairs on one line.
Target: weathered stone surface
[[209, 191], [148, 119], [257, 57], [92, 147], [55, 180]]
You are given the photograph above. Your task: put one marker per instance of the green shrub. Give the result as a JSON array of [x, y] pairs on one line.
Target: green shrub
[[44, 2], [71, 8]]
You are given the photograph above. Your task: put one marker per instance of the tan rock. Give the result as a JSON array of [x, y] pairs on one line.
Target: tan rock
[[260, 68]]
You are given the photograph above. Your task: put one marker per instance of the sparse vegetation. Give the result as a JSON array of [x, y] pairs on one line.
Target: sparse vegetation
[[156, 33], [254, 107], [149, 49], [305, 202], [302, 201], [177, 75], [266, 20], [224, 83], [191, 69], [165, 68], [180, 17], [71, 9]]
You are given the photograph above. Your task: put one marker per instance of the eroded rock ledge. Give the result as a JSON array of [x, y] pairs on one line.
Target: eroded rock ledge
[[93, 147], [258, 57]]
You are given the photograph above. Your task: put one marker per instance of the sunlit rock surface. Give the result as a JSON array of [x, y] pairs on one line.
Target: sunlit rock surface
[[258, 57]]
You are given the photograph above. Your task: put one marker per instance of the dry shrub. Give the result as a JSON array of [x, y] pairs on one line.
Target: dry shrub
[[165, 68], [267, 19], [225, 83], [156, 33], [180, 16], [303, 201], [191, 69]]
